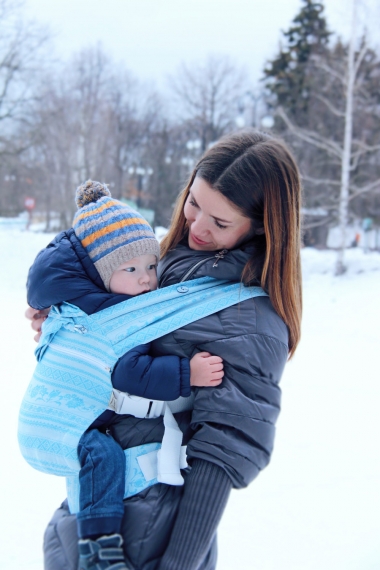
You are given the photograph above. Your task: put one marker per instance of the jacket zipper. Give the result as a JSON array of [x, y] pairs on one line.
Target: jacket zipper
[[192, 270], [91, 359]]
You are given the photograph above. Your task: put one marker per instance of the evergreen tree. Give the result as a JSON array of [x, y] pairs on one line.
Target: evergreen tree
[[325, 96], [289, 76]]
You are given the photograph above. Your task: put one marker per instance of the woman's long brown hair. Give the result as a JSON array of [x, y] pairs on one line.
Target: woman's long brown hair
[[258, 174]]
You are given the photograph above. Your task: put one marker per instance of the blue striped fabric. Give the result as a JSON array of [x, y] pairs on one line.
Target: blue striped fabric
[[71, 385]]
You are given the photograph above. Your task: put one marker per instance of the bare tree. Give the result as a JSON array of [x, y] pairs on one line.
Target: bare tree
[[165, 152], [71, 133], [207, 95], [22, 55], [135, 112], [346, 130], [353, 65], [92, 120]]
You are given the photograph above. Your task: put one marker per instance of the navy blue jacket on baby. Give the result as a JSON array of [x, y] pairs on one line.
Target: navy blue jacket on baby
[[63, 271]]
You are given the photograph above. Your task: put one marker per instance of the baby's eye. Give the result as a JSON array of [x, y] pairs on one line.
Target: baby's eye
[[153, 266], [130, 269]]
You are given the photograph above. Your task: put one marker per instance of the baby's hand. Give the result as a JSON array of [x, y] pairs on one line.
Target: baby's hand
[[206, 370]]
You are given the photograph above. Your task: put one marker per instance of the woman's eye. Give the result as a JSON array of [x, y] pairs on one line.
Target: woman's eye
[[192, 203], [129, 269], [218, 225]]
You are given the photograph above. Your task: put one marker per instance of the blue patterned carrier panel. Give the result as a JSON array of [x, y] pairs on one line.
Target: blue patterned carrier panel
[[71, 385]]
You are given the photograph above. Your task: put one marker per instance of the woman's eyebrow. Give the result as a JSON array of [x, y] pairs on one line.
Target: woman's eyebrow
[[221, 220], [215, 217]]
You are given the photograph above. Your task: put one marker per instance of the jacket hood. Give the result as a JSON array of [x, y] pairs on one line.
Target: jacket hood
[[63, 271]]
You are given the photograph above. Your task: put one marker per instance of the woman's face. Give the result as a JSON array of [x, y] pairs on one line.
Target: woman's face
[[214, 222]]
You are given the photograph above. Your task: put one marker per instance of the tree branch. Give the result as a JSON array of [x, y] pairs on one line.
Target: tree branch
[[364, 189], [359, 59], [310, 225], [331, 107], [325, 67], [312, 138], [319, 181], [365, 148]]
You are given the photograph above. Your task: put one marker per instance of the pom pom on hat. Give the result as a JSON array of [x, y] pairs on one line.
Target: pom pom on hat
[[110, 231], [89, 192]]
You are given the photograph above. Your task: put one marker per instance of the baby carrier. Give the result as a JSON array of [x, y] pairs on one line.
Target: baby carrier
[[71, 385]]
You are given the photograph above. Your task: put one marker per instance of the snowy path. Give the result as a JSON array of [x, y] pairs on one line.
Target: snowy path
[[317, 506]]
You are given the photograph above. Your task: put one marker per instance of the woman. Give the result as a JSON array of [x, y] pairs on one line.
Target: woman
[[237, 219]]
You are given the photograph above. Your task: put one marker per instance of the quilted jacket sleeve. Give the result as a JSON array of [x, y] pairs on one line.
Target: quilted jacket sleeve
[[235, 423], [156, 378]]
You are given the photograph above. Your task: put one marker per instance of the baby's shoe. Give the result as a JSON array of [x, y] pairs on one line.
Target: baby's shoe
[[104, 553]]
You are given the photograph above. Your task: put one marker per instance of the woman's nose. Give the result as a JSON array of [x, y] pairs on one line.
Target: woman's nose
[[199, 225]]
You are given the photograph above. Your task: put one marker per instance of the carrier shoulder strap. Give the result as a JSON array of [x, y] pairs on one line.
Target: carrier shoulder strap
[[145, 318]]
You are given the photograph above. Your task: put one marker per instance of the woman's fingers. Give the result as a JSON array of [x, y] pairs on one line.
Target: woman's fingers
[[37, 317], [36, 314], [30, 312]]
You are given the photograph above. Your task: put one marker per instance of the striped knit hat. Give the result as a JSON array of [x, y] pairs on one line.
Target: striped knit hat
[[110, 231]]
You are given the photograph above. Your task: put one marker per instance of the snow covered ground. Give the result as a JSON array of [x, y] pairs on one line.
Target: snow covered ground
[[317, 506]]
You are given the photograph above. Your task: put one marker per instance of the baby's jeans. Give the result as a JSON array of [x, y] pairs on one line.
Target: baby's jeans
[[102, 484]]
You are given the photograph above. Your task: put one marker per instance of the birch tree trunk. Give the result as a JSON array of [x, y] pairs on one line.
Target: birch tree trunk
[[347, 143]]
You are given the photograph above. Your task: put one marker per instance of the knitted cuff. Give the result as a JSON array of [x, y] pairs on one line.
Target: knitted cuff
[[207, 488]]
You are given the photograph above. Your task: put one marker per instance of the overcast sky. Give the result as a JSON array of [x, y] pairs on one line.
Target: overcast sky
[[153, 36]]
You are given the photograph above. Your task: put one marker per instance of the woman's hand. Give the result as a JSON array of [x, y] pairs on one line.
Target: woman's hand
[[37, 317], [206, 370]]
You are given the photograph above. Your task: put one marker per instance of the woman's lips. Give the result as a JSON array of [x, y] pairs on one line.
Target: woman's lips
[[198, 241]]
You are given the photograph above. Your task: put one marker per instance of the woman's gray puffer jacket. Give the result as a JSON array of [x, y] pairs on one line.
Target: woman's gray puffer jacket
[[231, 428]]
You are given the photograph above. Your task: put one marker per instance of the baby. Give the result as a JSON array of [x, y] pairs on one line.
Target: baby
[[109, 255]]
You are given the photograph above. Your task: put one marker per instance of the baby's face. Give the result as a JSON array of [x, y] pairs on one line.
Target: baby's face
[[136, 276]]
